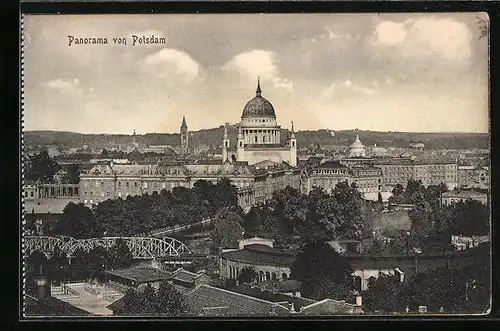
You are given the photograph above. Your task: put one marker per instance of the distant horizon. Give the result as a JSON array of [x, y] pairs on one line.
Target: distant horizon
[[283, 128]]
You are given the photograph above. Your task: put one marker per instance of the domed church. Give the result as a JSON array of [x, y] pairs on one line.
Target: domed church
[[357, 149], [259, 136]]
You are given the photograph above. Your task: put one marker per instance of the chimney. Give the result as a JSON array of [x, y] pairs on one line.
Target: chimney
[[42, 289], [359, 301]]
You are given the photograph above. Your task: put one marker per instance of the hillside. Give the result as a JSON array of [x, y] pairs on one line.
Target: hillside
[[304, 138]]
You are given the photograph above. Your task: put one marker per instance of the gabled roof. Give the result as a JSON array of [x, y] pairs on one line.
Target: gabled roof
[[205, 297], [186, 276], [329, 307], [256, 291], [141, 274]]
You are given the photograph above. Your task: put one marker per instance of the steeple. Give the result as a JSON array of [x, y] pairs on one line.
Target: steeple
[[292, 135], [225, 131], [258, 92], [184, 136]]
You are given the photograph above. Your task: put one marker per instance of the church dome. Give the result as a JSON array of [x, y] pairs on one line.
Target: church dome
[[357, 144], [258, 106], [357, 149]]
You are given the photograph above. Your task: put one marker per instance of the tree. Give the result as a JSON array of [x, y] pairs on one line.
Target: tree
[[247, 275], [170, 301], [226, 195], [42, 168], [350, 215], [78, 221], [397, 195], [324, 273], [252, 221], [227, 229], [384, 293], [72, 175], [119, 255]]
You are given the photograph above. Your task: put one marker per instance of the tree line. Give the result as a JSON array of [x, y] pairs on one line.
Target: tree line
[[290, 217], [143, 213], [464, 290], [432, 219]]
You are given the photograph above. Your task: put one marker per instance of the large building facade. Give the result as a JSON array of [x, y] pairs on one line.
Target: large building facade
[[259, 136], [255, 184], [327, 175]]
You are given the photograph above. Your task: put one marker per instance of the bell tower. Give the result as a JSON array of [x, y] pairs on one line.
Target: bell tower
[[184, 136], [293, 148]]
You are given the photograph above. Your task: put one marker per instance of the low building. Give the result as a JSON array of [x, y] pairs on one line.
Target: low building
[[36, 191], [363, 276], [269, 263], [447, 198], [474, 176], [189, 279], [136, 278]]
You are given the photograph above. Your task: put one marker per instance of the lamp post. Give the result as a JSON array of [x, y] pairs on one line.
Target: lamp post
[[408, 242]]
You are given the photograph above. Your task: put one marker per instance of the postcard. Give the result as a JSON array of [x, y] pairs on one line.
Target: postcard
[[256, 165]]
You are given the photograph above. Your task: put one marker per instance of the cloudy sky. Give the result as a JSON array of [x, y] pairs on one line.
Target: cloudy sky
[[398, 72]]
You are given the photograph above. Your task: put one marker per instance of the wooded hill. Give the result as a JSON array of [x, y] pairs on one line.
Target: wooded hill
[[304, 138]]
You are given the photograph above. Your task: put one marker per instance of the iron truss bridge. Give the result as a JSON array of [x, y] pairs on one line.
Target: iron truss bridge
[[140, 247]]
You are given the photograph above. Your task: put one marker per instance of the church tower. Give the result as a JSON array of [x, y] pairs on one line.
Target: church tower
[[293, 148], [184, 136], [225, 144], [240, 146]]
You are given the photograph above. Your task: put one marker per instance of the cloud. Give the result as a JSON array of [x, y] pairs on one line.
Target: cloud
[[348, 85], [390, 33], [167, 62], [425, 36], [258, 63], [64, 86]]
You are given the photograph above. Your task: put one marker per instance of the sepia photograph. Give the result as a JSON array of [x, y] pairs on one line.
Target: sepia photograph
[[255, 165]]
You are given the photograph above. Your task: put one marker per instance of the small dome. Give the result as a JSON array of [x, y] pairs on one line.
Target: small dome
[[357, 143], [258, 106]]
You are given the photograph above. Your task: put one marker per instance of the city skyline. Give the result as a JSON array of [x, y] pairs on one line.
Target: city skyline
[[388, 72]]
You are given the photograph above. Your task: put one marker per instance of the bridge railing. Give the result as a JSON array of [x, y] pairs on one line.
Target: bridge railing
[[141, 247]]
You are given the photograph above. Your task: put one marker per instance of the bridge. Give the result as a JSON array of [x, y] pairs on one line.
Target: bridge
[[169, 230], [140, 247]]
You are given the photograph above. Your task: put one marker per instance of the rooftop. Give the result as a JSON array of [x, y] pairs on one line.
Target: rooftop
[[329, 307], [464, 194], [142, 274], [229, 303], [330, 165], [186, 276], [51, 307], [268, 295]]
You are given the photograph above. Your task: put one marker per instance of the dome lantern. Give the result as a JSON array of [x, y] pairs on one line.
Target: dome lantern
[[258, 106]]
